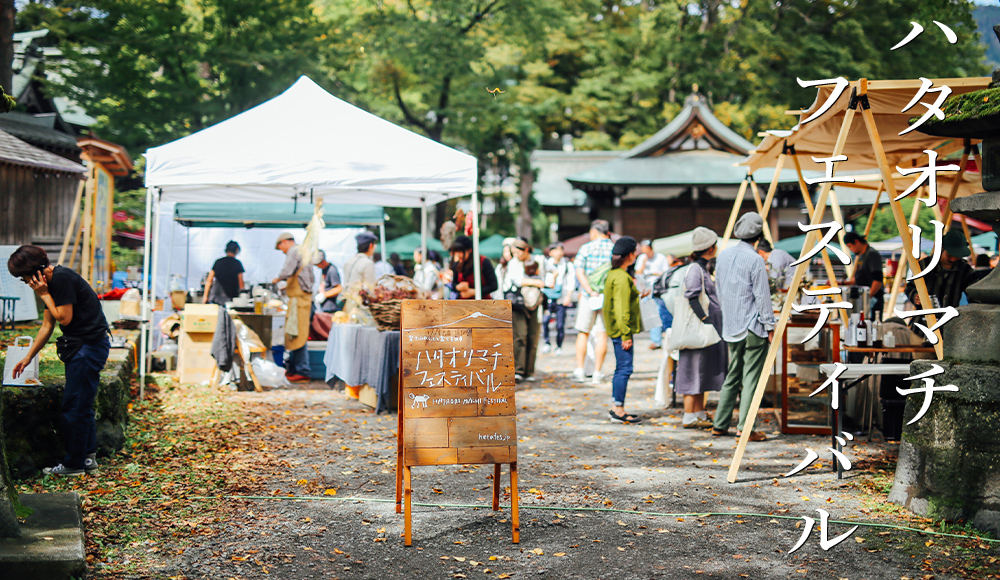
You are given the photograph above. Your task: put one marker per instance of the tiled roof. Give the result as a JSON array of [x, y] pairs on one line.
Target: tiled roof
[[37, 130], [16, 152]]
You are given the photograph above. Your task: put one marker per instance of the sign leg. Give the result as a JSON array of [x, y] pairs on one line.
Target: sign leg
[[496, 487], [515, 524], [408, 515]]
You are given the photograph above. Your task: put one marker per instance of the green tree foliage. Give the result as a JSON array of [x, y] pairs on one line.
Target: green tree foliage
[[884, 226]]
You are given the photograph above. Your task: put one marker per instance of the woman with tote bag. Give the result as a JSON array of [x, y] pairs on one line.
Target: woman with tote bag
[[700, 370]]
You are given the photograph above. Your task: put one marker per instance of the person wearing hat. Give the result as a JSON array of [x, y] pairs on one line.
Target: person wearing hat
[[360, 268], [747, 321], [949, 279], [778, 263], [330, 286], [463, 275], [225, 279], [623, 320], [701, 370], [867, 272], [299, 279]]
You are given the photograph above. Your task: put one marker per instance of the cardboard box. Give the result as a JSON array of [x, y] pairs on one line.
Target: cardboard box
[[200, 318], [195, 363]]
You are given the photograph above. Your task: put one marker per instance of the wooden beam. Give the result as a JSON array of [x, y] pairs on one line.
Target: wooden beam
[[736, 211], [981, 82], [773, 187], [897, 280], [946, 215], [786, 309], [839, 216], [871, 214], [72, 222], [760, 210], [897, 214], [88, 227], [827, 264]]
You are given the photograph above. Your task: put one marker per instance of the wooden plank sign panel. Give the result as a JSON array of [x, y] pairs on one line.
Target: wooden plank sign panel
[[457, 374]]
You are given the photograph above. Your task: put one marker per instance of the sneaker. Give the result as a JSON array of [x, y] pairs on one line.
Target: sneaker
[[90, 463], [558, 350], [579, 376], [654, 346], [63, 470], [530, 378], [598, 378], [518, 379], [546, 348], [698, 424]]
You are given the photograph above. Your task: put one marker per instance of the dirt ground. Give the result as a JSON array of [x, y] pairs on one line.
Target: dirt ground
[[598, 500]]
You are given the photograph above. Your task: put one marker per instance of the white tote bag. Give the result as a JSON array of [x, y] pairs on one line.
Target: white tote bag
[[16, 354], [689, 332]]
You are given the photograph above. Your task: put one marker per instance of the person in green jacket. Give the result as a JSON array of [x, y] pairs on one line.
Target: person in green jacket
[[622, 320]]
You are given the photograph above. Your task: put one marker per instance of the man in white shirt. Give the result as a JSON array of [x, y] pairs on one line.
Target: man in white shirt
[[360, 269], [651, 265]]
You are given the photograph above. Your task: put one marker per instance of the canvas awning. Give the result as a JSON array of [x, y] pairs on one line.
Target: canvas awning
[[275, 215], [309, 143]]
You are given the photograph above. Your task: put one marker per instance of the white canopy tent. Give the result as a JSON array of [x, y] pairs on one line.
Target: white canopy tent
[[305, 144]]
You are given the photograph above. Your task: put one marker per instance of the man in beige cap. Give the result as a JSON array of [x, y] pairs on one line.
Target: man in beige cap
[[747, 321], [299, 292]]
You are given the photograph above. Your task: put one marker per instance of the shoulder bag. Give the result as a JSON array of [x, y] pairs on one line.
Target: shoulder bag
[[689, 332]]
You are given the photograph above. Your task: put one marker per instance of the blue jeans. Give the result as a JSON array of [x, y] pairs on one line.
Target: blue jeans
[[83, 375], [557, 311], [297, 362], [623, 370], [666, 321]]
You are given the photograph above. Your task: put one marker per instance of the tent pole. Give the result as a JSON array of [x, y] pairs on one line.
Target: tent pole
[[897, 280], [946, 216], [871, 214], [170, 253], [786, 309], [760, 210], [827, 264], [837, 215], [423, 229], [187, 265], [153, 267], [144, 325], [736, 211], [477, 267], [773, 188], [381, 239]]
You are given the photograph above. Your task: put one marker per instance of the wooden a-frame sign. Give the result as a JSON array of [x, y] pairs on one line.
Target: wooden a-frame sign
[[456, 394]]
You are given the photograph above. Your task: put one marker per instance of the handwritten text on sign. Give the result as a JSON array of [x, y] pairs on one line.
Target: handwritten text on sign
[[458, 383]]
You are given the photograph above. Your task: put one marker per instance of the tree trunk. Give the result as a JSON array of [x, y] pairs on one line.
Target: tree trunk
[[524, 218], [9, 527], [7, 12]]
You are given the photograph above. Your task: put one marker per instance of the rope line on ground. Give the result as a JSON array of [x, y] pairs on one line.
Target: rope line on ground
[[555, 508]]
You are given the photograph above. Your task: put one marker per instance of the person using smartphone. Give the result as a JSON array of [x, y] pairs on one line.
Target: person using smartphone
[[83, 348]]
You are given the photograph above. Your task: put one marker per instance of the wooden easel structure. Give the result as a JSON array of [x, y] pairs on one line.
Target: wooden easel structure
[[112, 160], [866, 149]]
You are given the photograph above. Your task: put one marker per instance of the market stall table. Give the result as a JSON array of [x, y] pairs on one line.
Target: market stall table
[[859, 372], [363, 355]]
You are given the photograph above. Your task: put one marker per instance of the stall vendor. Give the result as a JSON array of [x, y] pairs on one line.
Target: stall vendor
[[299, 291], [326, 298], [867, 272], [227, 275], [83, 348], [463, 281]]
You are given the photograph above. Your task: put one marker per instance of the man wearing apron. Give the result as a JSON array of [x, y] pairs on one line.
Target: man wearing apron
[[299, 292]]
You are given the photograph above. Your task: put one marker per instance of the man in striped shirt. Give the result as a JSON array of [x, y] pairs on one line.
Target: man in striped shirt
[[747, 321], [589, 312]]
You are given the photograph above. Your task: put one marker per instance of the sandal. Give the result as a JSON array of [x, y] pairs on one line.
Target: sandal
[[720, 432], [755, 436], [624, 418]]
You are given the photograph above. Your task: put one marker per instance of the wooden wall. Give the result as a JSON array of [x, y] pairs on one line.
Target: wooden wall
[[35, 206], [667, 219]]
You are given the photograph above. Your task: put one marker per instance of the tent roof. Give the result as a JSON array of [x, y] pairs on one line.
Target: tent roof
[[887, 99], [275, 215], [404, 245], [306, 140]]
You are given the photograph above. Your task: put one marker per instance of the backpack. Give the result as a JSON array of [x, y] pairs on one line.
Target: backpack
[[598, 277], [672, 285]]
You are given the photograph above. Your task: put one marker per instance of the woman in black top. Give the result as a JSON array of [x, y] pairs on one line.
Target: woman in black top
[[83, 348], [227, 273]]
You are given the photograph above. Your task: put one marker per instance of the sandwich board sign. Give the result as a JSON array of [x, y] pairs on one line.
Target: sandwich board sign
[[456, 395]]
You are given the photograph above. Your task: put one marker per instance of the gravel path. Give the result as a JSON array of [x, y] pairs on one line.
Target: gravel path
[[571, 461]]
